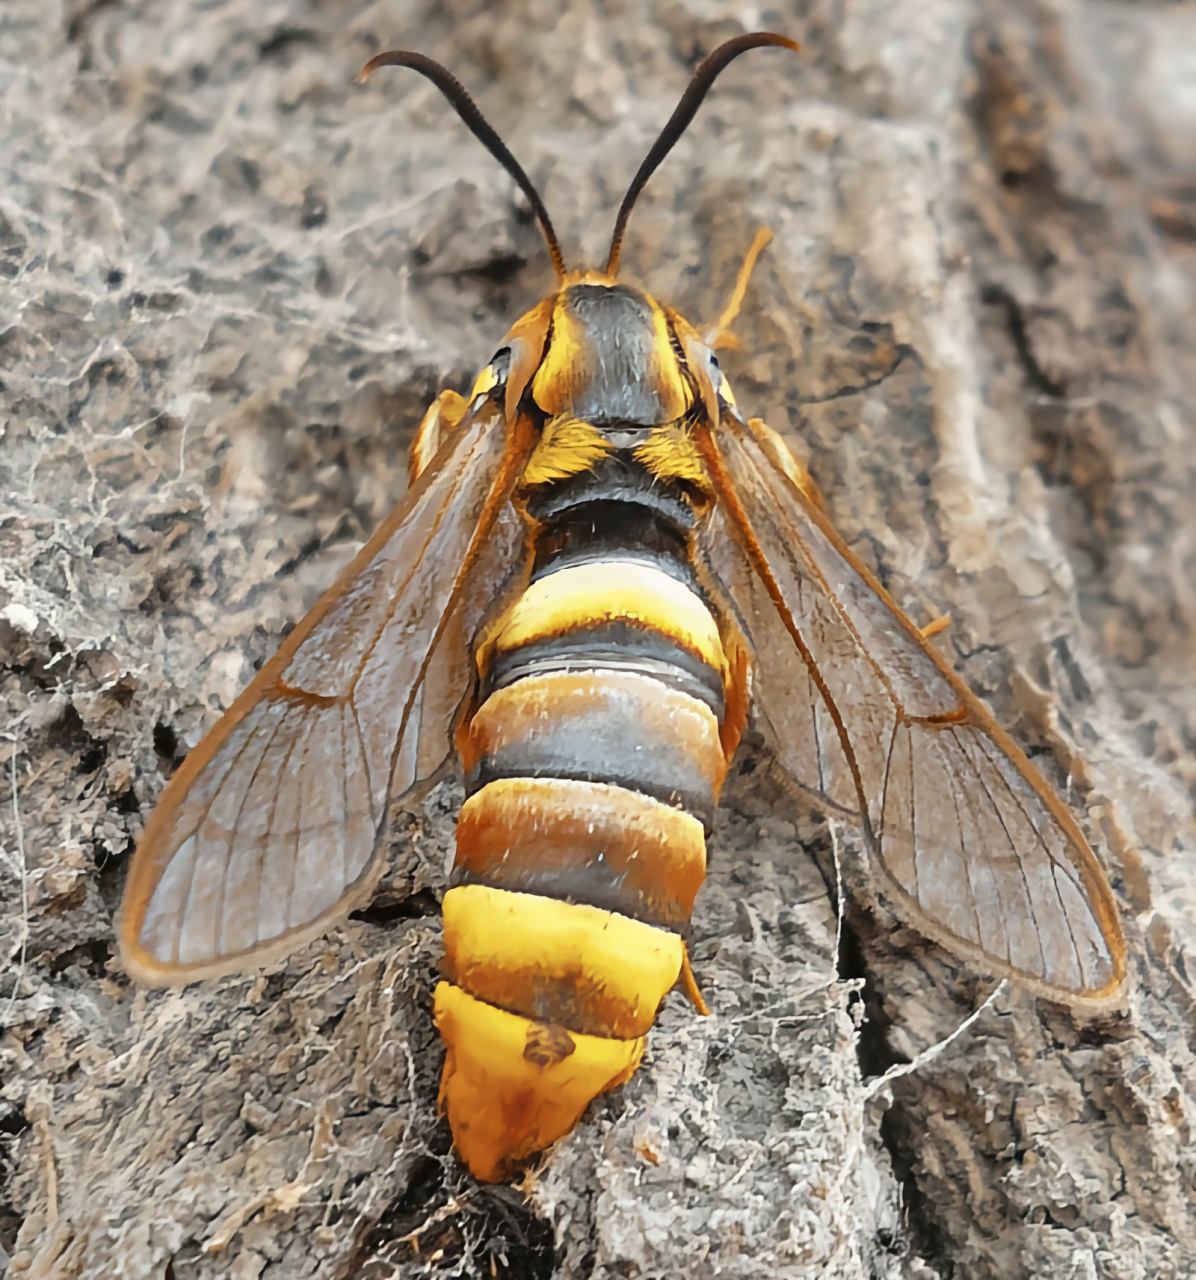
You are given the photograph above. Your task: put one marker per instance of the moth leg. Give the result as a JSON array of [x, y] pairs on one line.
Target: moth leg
[[441, 420], [690, 983], [935, 625], [720, 335]]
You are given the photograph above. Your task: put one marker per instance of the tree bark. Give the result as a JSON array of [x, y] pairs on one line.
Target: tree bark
[[231, 283]]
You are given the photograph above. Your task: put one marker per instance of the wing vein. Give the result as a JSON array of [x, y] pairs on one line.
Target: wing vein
[[1007, 922], [416, 564], [967, 869], [913, 819], [365, 758], [1021, 870], [237, 823], [370, 638], [809, 567], [186, 903], [484, 527], [884, 792], [813, 705], [292, 862], [343, 837], [782, 608], [264, 844]]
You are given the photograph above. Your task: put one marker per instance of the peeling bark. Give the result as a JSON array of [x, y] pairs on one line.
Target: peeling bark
[[230, 283]]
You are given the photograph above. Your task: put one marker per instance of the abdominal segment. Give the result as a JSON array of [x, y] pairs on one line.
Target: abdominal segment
[[593, 763]]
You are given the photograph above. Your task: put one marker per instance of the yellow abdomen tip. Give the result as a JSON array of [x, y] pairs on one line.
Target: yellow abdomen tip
[[511, 1087]]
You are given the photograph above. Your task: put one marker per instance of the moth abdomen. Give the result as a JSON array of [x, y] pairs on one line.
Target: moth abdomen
[[594, 763]]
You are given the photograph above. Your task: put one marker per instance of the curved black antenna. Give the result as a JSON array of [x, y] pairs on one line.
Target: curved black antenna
[[691, 100], [467, 109]]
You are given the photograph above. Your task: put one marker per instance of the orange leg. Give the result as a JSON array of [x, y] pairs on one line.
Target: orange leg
[[691, 985], [936, 625], [720, 335]]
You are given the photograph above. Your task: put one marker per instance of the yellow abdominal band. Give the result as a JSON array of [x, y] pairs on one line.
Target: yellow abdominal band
[[547, 1006], [586, 596]]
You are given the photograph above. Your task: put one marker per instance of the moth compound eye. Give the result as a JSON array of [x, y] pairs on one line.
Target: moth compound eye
[[500, 363], [722, 388], [715, 371]]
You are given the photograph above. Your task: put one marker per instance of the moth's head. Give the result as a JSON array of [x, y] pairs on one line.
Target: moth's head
[[613, 354], [596, 348], [605, 352]]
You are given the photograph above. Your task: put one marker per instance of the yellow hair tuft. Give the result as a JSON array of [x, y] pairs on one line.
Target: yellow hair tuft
[[567, 447], [669, 453]]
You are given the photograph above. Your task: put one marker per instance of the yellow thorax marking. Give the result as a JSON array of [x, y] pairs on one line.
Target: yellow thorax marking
[[566, 447], [566, 368], [564, 371], [669, 453], [674, 391], [556, 380]]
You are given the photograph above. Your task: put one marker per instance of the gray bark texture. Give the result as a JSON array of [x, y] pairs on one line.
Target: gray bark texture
[[230, 281]]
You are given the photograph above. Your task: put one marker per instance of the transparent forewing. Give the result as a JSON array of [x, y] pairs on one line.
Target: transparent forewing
[[268, 830], [500, 565], [803, 735], [978, 852]]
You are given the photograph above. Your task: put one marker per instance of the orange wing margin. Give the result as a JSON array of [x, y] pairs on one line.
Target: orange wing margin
[[267, 833], [975, 849]]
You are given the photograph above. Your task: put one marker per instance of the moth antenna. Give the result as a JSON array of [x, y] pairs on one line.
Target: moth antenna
[[691, 100], [468, 110]]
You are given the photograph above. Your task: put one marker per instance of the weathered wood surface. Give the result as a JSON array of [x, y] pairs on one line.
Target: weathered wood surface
[[229, 282]]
